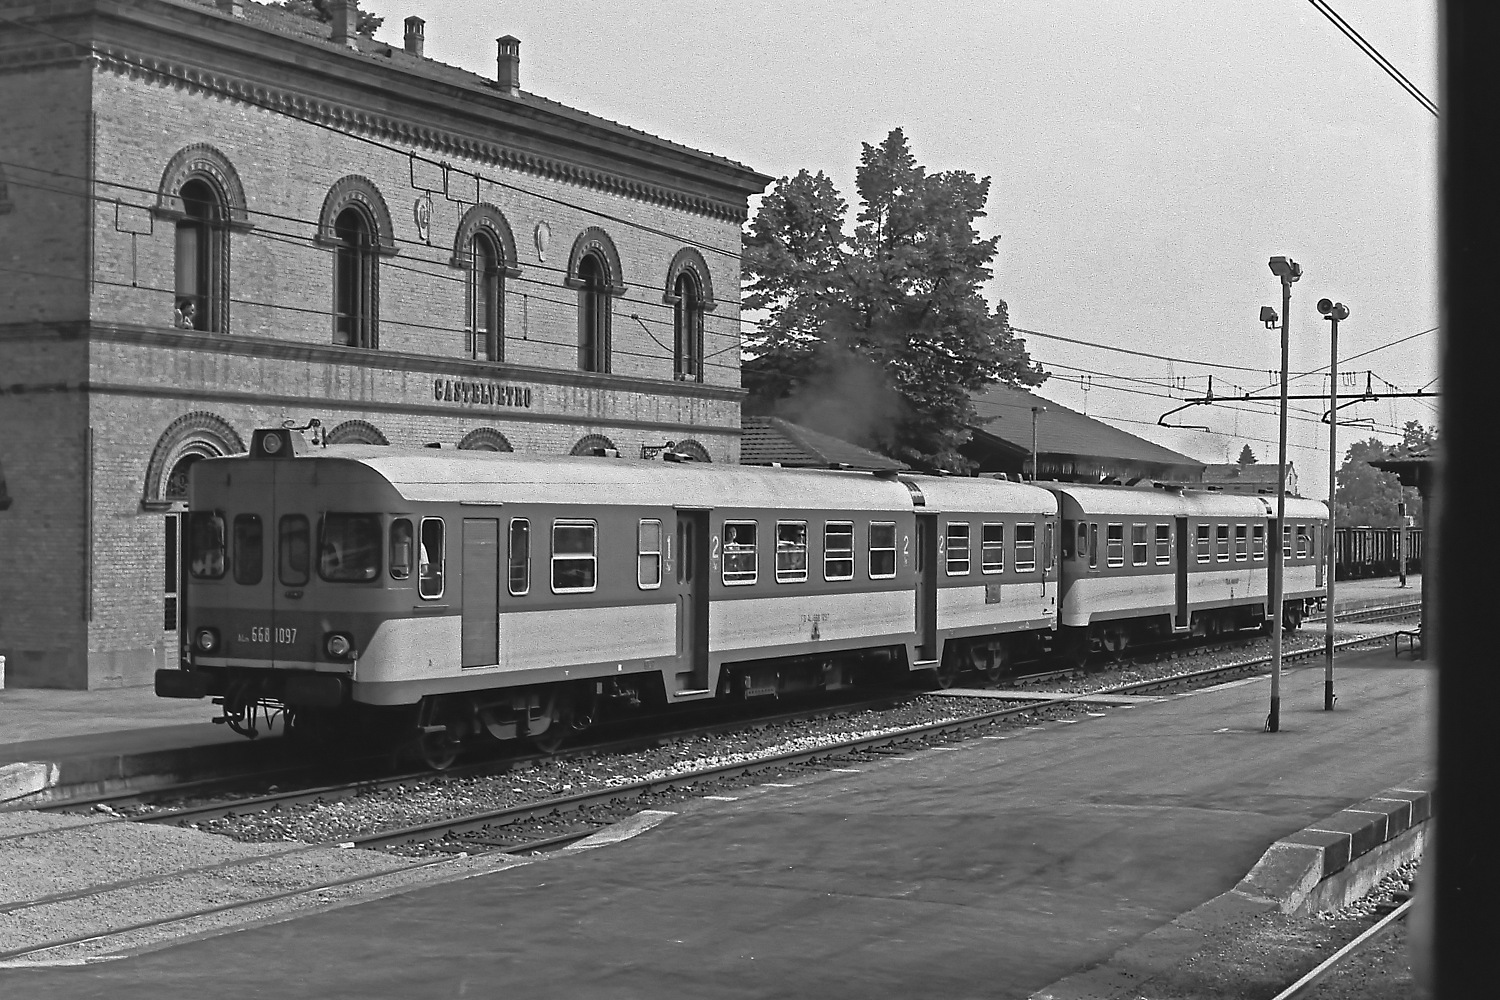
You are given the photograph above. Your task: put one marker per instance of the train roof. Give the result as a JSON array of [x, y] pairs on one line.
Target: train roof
[[505, 477], [1144, 502], [942, 494]]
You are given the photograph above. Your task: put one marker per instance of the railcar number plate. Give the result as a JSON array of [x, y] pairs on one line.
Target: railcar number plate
[[280, 636]]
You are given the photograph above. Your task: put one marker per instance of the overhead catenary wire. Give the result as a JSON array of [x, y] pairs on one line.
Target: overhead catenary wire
[[1322, 7]]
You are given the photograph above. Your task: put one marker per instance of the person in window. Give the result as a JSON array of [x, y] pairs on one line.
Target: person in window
[[185, 315], [330, 558], [209, 564], [731, 535]]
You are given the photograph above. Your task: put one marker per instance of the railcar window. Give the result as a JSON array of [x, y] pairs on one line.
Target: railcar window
[[574, 557], [648, 555], [882, 560], [791, 551], [1302, 541], [248, 549], [1221, 540], [349, 548], [1069, 550], [1025, 548], [1241, 544], [430, 565], [1258, 542], [1163, 544], [1139, 547], [992, 548], [1093, 545], [1048, 549], [958, 548], [1203, 543], [740, 567], [838, 550], [1286, 541], [1114, 551], [206, 544], [520, 556], [401, 549], [293, 550]]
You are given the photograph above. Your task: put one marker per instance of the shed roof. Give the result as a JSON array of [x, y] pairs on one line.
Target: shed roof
[[1005, 413], [773, 439]]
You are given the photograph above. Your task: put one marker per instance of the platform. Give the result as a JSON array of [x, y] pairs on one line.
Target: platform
[[990, 868]]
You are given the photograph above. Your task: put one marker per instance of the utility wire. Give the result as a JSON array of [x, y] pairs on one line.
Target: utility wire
[[1322, 7]]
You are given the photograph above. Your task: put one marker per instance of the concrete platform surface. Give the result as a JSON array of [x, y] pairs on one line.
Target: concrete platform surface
[[991, 868], [28, 714], [1375, 591]]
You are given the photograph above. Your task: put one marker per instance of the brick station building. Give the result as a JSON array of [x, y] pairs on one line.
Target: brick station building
[[217, 216]]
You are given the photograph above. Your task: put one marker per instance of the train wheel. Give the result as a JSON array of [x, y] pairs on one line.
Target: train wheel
[[945, 674], [997, 666], [551, 739], [438, 750]]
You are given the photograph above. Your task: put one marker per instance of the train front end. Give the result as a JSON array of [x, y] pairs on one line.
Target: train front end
[[284, 561]]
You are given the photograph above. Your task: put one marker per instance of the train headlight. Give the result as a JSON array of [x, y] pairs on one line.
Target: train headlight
[[207, 640], [339, 646]]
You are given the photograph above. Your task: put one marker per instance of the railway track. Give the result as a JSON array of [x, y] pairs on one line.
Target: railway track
[[485, 833], [1304, 986]]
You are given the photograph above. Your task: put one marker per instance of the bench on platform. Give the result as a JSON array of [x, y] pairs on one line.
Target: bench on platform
[[1413, 637]]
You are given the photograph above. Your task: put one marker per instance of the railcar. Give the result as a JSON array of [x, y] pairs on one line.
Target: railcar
[[1143, 564], [1364, 551], [459, 594]]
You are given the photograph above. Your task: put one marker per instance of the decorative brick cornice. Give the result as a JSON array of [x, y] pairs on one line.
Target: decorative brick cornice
[[369, 124]]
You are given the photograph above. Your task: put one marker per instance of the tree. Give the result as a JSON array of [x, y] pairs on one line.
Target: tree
[[365, 22], [879, 337], [1365, 494], [1247, 457]]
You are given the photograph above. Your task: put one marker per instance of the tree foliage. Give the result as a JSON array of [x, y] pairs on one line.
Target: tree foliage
[[1247, 457], [365, 22], [1365, 494], [878, 336]]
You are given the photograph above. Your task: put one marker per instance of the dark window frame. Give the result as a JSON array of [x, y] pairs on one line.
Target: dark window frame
[[594, 314], [356, 279], [846, 530], [484, 288]]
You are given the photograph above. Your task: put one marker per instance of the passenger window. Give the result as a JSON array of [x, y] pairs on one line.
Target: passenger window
[[838, 550], [1163, 544], [1138, 545], [248, 549], [1025, 548], [1302, 541], [992, 548], [1241, 544], [349, 548], [574, 557], [401, 549], [1221, 547], [1286, 541], [1115, 545], [520, 556], [791, 551], [648, 555], [206, 544], [882, 550], [1068, 548], [293, 550], [958, 548], [1048, 550], [1093, 544], [1204, 543], [1258, 542], [432, 555], [740, 564]]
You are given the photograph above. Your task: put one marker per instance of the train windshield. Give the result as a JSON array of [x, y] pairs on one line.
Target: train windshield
[[349, 549], [206, 544]]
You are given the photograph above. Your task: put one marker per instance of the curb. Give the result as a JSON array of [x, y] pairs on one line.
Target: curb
[[26, 778], [109, 772], [1323, 867]]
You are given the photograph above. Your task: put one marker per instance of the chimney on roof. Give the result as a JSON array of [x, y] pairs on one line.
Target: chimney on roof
[[508, 64], [416, 35], [234, 8], [345, 17]]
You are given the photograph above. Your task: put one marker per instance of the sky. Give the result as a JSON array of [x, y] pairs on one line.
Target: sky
[[1147, 159]]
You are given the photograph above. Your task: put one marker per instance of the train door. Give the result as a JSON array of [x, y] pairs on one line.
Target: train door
[[691, 574], [290, 575], [480, 642], [1180, 552], [1318, 533], [928, 558]]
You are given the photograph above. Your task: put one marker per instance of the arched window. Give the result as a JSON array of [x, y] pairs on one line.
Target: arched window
[[355, 284], [687, 321], [486, 299], [202, 259], [593, 314]]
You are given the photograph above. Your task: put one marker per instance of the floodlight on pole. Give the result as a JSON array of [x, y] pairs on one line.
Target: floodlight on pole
[[1288, 271], [1333, 312]]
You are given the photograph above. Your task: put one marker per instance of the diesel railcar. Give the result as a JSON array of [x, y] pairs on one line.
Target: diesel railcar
[[1363, 551], [454, 595]]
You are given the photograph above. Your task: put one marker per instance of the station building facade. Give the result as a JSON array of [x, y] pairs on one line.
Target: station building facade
[[217, 216]]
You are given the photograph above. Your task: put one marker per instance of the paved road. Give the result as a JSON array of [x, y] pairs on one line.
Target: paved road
[[990, 870]]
